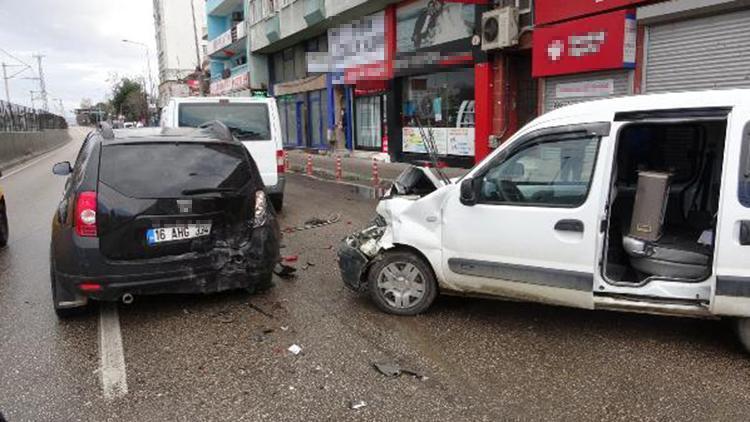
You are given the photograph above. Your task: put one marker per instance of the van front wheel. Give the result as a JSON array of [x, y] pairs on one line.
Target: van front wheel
[[402, 283], [743, 332]]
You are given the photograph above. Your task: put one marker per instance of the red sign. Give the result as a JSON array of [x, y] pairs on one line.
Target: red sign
[[597, 43], [548, 11]]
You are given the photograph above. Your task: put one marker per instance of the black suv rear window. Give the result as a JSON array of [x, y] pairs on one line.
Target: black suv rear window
[[248, 122], [167, 170]]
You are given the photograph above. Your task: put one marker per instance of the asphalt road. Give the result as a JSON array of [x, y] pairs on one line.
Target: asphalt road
[[224, 357]]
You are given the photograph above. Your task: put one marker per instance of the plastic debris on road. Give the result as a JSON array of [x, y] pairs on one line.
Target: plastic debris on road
[[295, 349], [357, 404], [393, 370], [284, 271]]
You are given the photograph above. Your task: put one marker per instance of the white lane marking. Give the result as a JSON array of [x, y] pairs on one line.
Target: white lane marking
[[112, 371]]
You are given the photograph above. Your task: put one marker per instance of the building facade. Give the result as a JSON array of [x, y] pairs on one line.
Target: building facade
[[383, 76], [233, 70], [180, 46]]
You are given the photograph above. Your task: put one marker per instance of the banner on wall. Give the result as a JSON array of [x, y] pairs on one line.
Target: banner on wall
[[449, 141], [426, 23], [549, 11]]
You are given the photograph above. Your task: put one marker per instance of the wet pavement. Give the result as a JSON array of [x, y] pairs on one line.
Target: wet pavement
[[225, 357]]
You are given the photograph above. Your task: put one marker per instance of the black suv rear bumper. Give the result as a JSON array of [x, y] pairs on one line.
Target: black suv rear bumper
[[224, 268]]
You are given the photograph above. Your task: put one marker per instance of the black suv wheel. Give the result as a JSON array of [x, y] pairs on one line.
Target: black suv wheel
[[3, 225]]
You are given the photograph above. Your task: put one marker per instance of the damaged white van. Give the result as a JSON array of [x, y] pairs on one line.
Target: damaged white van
[[636, 204]]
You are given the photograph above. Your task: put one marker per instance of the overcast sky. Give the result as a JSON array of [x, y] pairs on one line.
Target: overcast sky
[[82, 42]]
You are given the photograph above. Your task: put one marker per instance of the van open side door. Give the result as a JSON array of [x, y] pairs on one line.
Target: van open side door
[[731, 292]]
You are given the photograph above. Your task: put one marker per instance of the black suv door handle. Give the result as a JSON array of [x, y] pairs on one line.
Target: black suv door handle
[[569, 226]]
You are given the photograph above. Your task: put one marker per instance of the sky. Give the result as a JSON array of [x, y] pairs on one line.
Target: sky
[[82, 44]]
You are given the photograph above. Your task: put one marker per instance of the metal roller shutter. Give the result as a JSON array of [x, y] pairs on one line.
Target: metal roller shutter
[[620, 79], [705, 53]]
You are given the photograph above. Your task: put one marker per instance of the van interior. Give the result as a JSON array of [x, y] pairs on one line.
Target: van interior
[[663, 202]]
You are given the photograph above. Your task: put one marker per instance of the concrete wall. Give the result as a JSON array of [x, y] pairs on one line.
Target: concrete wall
[[16, 147]]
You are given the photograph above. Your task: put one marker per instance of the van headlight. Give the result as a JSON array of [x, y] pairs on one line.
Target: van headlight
[[260, 217]]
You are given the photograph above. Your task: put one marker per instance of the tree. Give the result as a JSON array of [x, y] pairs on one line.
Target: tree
[[129, 100], [86, 103]]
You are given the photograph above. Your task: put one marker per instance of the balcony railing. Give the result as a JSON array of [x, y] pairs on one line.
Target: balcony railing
[[236, 33]]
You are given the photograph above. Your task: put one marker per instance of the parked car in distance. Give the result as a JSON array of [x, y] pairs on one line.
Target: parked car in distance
[[253, 120], [4, 233], [637, 204], [182, 211]]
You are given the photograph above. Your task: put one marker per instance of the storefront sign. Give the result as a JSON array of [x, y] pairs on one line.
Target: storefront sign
[[448, 141], [596, 43], [423, 24], [549, 11], [356, 44], [585, 89]]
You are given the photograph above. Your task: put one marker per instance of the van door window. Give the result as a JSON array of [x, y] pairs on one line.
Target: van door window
[[551, 173]]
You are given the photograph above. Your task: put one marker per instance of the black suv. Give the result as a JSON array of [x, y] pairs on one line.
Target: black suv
[[177, 211]]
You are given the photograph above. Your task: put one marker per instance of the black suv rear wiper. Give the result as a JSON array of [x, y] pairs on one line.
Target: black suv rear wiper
[[244, 133], [201, 191]]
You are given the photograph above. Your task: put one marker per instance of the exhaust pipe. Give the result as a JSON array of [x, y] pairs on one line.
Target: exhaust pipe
[[127, 298]]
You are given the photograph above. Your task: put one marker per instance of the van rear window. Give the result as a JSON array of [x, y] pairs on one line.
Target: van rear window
[[248, 122], [146, 170]]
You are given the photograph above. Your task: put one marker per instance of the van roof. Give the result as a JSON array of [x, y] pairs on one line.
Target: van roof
[[605, 109], [187, 100], [157, 135]]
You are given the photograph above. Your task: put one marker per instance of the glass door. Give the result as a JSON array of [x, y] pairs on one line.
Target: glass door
[[369, 122]]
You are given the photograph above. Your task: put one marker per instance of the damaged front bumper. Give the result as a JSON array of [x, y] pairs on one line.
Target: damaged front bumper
[[357, 252]]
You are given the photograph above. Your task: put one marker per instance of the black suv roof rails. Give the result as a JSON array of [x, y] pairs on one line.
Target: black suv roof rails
[[219, 130], [105, 129]]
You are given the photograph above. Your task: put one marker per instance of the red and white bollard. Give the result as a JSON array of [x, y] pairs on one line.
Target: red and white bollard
[[309, 165], [375, 173], [287, 168], [385, 144], [339, 175]]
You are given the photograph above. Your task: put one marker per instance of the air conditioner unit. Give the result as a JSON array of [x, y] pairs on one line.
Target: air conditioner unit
[[499, 28]]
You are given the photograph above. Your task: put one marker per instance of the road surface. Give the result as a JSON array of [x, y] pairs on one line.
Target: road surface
[[225, 357]]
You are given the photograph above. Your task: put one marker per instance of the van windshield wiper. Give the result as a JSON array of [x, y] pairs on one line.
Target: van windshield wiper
[[201, 191]]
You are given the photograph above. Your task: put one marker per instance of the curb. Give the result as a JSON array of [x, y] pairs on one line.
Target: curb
[[367, 192]]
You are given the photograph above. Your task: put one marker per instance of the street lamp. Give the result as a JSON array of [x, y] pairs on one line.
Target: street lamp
[[148, 63]]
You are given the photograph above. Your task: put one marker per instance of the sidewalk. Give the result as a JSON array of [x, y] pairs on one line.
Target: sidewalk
[[354, 169]]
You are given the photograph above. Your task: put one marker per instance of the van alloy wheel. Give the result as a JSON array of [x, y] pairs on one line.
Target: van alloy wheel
[[402, 283]]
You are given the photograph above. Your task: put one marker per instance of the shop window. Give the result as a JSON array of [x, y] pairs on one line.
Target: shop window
[[443, 99], [369, 122]]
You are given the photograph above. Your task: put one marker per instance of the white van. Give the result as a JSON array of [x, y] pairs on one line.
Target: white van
[[253, 120], [635, 204]]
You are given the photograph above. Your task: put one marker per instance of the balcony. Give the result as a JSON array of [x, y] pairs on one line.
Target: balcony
[[238, 81], [222, 7], [230, 42]]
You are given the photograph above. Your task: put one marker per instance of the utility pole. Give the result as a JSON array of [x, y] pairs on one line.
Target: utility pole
[[5, 78], [42, 85]]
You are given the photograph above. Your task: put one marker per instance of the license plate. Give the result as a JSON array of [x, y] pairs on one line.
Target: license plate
[[182, 232]]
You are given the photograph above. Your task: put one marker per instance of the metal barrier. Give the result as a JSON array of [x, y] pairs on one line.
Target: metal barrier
[[16, 118]]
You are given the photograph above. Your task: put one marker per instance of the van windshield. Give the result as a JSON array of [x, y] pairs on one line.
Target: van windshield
[[248, 122]]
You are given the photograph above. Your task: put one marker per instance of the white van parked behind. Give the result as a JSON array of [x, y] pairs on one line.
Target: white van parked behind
[[637, 204], [253, 120]]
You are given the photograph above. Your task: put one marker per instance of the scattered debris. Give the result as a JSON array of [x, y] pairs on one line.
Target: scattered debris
[[284, 271], [284, 328], [224, 316], [268, 331], [393, 370], [290, 258], [295, 349], [261, 310], [357, 404], [314, 223], [307, 265]]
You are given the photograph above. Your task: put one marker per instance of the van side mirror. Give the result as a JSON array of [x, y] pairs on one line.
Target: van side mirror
[[62, 168], [470, 191]]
